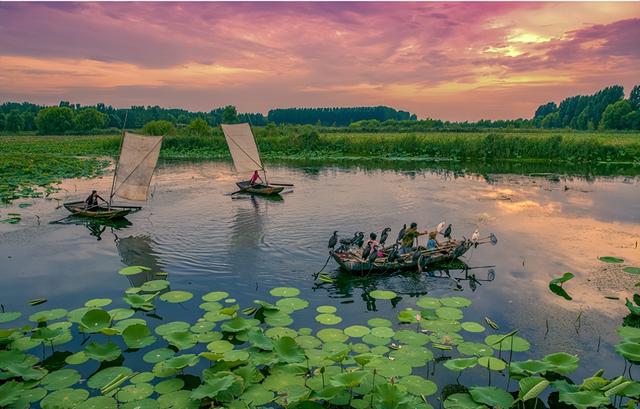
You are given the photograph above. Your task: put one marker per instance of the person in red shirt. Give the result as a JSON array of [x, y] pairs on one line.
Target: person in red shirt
[[255, 177]]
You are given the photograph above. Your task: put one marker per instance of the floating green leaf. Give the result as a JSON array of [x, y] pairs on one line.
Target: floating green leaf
[[455, 302], [138, 336], [98, 302], [48, 315], [508, 343], [175, 326], [284, 292], [531, 387], [288, 350], [176, 296], [215, 296], [461, 401], [492, 363], [60, 379], [472, 327], [154, 285], [158, 355], [135, 392], [611, 259], [584, 399], [632, 270], [101, 379], [382, 294], [328, 319], [131, 270], [169, 385], [460, 364], [102, 352], [475, 348], [356, 331], [562, 362], [491, 396], [9, 316], [428, 302], [64, 398]]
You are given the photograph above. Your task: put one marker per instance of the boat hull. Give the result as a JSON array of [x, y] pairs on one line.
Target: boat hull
[[101, 213], [350, 262], [259, 189]]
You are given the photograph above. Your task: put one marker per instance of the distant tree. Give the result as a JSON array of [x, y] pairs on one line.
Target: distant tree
[[544, 110], [634, 97], [615, 115], [14, 122], [229, 115], [198, 127], [552, 120], [90, 118], [1, 121], [55, 120], [29, 121], [632, 120], [159, 128]]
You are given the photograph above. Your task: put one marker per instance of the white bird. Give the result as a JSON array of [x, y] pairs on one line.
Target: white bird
[[475, 236], [440, 226]]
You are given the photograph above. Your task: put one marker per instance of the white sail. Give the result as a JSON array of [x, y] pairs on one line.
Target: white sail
[[242, 145], [138, 158]]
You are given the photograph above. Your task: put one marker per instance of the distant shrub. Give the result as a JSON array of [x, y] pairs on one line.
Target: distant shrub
[[159, 128]]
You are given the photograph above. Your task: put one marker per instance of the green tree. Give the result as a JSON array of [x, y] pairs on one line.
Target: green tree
[[55, 120], [229, 115], [634, 97], [14, 121], [1, 121], [614, 116], [552, 120], [90, 118], [198, 127], [159, 128], [29, 121]]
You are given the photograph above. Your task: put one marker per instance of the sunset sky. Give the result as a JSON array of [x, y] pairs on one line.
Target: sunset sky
[[456, 61]]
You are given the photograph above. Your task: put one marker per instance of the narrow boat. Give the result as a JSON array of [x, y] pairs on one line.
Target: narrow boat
[[246, 159], [103, 213], [350, 259], [259, 188], [131, 179]]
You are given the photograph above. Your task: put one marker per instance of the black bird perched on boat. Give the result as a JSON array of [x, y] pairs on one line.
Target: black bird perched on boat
[[383, 235], [360, 239], [333, 240], [366, 252], [447, 232], [374, 254], [401, 233], [393, 254]]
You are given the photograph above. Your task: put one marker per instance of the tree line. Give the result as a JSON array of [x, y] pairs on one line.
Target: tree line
[[605, 109]]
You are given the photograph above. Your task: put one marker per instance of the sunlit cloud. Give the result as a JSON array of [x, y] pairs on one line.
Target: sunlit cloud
[[445, 60]]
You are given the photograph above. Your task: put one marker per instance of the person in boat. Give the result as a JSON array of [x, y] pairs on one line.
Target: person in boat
[[432, 243], [373, 243], [255, 178], [92, 201], [410, 235]]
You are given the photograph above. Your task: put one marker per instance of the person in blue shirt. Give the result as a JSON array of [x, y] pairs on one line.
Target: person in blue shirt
[[432, 243]]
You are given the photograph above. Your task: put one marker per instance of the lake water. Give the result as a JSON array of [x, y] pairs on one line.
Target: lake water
[[207, 240]]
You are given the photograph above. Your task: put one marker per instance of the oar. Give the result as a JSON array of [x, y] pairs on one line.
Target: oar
[[281, 184]]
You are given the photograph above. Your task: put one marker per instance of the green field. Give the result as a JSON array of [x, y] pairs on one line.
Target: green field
[[41, 160]]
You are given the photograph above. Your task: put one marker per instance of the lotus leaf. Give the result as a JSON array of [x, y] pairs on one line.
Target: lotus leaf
[[417, 385], [441, 325], [77, 314], [220, 347], [356, 331], [104, 377], [348, 379], [124, 324], [278, 332], [135, 392], [491, 396], [472, 327], [383, 295], [99, 402], [584, 399], [25, 343], [449, 313], [629, 350], [428, 302], [288, 350], [131, 270], [531, 387], [176, 296], [257, 395], [169, 385], [461, 401], [379, 322], [326, 309], [332, 334], [389, 368], [411, 337], [48, 315], [460, 364], [492, 363], [215, 296], [383, 332], [154, 285], [182, 361], [202, 327], [211, 306], [500, 342], [530, 366], [177, 400], [475, 348], [562, 362], [308, 341], [632, 270], [328, 319], [98, 302], [212, 387], [374, 340], [120, 313], [158, 355], [142, 377], [292, 303], [139, 302], [64, 398], [611, 259], [284, 292], [9, 316], [138, 336], [236, 325], [277, 318], [412, 355], [147, 404], [102, 352], [455, 302], [175, 326]]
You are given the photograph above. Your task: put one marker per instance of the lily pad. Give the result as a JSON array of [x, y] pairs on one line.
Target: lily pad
[[215, 296], [332, 335], [383, 332], [449, 313], [77, 359], [102, 352], [131, 270], [379, 322], [461, 401], [475, 348], [135, 392], [356, 331], [631, 270], [104, 377], [491, 396], [169, 385], [328, 319], [429, 303], [118, 314], [154, 285], [220, 346], [158, 355], [257, 395], [455, 302], [175, 326], [96, 319], [99, 402], [472, 327], [292, 303], [383, 294], [417, 385], [326, 309], [182, 339], [284, 292], [48, 315], [60, 379], [492, 363], [562, 362], [611, 259], [9, 316], [176, 296], [519, 344], [585, 399], [460, 364], [64, 398], [142, 377], [98, 302], [138, 336], [629, 350]]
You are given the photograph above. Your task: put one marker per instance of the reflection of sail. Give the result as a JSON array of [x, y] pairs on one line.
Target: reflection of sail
[[243, 148], [137, 251], [247, 231], [138, 158]]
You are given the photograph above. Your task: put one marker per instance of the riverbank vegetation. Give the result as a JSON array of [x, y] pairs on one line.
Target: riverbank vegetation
[[241, 357]]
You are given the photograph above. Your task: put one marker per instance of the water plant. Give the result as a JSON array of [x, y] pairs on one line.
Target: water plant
[[252, 357]]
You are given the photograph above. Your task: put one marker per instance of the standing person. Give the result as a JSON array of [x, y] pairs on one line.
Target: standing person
[[92, 201], [410, 235], [432, 243], [255, 177]]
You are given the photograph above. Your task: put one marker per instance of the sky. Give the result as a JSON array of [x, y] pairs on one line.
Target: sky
[[453, 61]]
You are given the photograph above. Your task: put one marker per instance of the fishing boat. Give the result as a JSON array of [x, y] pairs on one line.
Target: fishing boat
[[350, 259], [131, 179], [246, 159]]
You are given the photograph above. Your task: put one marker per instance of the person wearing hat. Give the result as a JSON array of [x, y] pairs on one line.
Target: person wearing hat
[[410, 235]]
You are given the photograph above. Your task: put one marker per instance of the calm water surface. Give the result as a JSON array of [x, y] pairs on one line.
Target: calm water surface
[[206, 240]]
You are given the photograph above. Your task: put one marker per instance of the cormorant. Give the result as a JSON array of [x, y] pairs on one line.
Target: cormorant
[[374, 254], [401, 233], [333, 240], [366, 252], [383, 235], [393, 254], [447, 232], [360, 239]]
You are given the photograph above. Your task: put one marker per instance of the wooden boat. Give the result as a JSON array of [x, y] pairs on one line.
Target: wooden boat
[[79, 208], [259, 188], [350, 259], [246, 159], [131, 179]]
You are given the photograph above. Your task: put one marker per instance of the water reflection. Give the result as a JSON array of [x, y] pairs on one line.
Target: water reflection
[[138, 251], [96, 227]]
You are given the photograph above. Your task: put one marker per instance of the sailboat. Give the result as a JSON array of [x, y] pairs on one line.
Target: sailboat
[[246, 159], [131, 180]]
